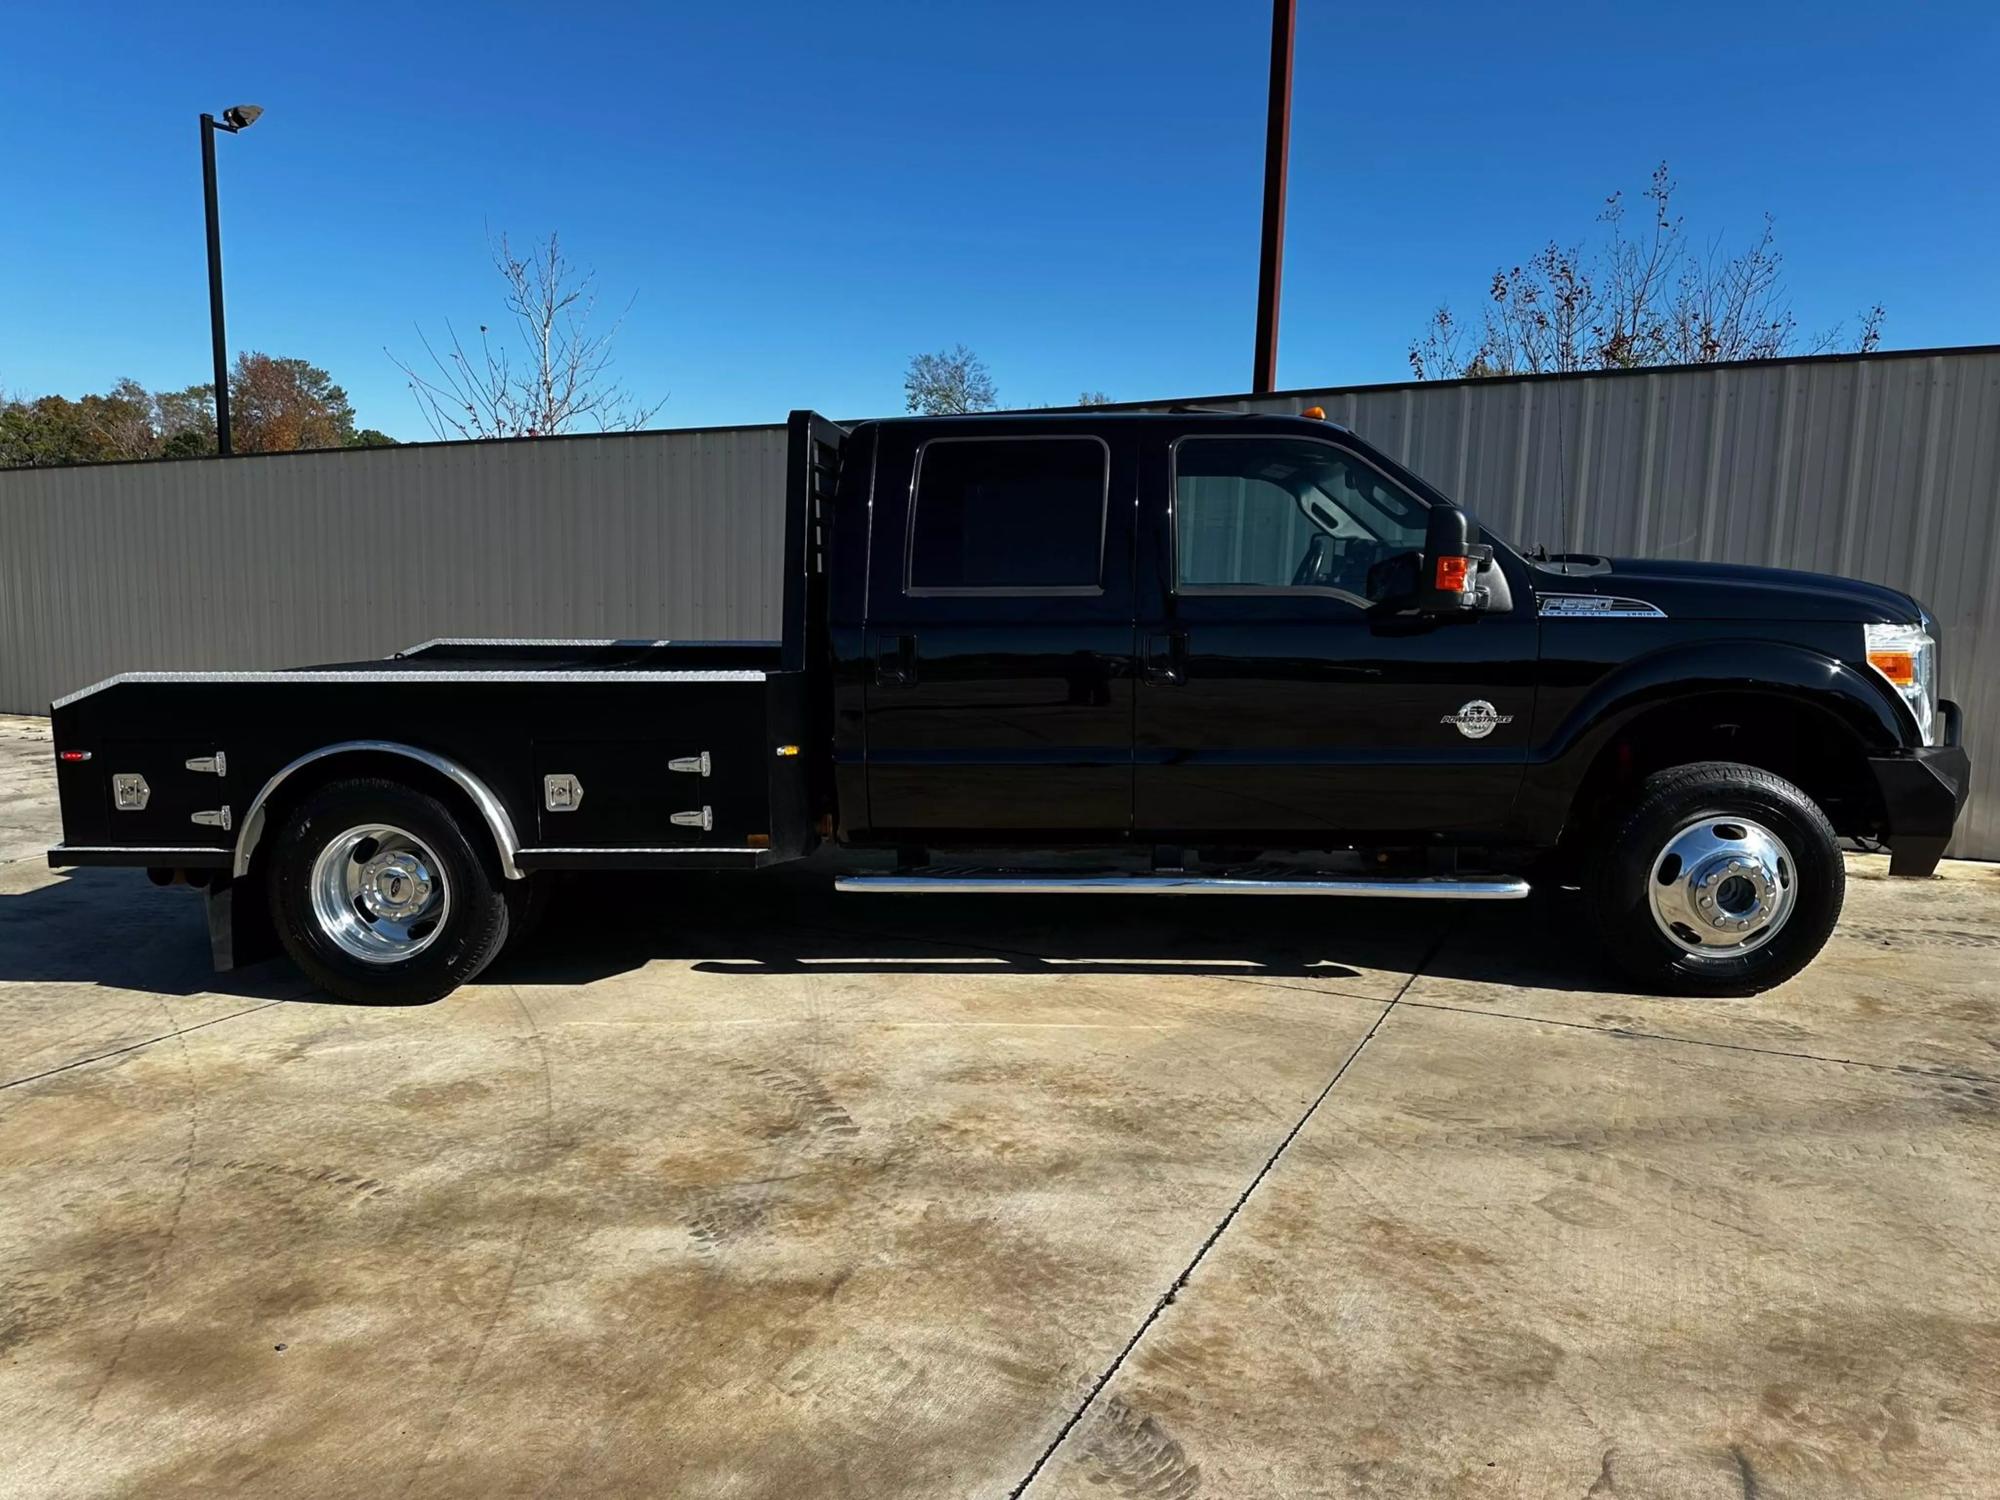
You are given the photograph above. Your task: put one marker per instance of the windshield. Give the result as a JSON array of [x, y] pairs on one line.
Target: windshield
[[1429, 492]]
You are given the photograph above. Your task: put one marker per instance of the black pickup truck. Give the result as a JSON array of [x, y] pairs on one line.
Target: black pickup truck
[[1214, 653]]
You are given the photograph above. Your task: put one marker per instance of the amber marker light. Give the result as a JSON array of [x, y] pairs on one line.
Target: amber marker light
[[1454, 574], [1900, 667], [1906, 658]]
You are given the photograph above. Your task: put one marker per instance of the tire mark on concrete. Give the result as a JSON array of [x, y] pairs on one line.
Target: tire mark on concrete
[[152, 1276], [721, 1217], [359, 1187], [821, 1116], [1137, 1456], [1166, 1298], [1745, 1475], [519, 1257], [1603, 1484], [724, 1214], [1921, 937]]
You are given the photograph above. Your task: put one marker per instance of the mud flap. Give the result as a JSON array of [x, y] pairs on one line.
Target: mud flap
[[239, 923], [1916, 856], [1922, 794]]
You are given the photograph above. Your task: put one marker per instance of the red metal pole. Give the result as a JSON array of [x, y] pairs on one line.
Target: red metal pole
[[1277, 150]]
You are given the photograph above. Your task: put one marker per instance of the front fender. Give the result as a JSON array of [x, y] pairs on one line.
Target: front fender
[[1696, 668], [1848, 701]]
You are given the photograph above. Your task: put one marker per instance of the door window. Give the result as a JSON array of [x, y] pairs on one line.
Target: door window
[[1009, 516], [1280, 512]]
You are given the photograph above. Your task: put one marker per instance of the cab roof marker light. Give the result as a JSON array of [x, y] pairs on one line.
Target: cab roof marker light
[[73, 756]]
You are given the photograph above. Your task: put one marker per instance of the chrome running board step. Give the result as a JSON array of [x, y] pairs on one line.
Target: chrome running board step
[[969, 882]]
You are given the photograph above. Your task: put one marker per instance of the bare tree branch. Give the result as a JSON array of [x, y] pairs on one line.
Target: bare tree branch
[[1634, 300], [565, 382], [948, 382]]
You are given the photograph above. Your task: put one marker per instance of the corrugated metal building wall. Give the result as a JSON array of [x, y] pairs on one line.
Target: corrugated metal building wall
[[293, 558], [1884, 467]]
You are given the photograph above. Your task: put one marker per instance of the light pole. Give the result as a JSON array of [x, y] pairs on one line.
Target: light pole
[[1277, 147], [236, 117]]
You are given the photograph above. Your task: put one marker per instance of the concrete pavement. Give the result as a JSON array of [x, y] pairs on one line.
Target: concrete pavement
[[759, 1190]]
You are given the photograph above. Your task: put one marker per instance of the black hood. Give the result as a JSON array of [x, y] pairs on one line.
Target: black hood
[[1728, 591]]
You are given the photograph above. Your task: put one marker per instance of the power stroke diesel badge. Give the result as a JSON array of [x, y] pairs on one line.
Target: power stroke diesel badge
[[1476, 720]]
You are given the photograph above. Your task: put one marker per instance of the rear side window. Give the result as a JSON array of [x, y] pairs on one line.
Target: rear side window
[[1009, 515]]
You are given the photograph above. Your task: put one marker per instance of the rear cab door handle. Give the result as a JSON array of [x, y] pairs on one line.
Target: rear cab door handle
[[1166, 657], [896, 660]]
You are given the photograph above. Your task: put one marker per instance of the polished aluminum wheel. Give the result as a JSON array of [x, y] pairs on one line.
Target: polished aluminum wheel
[[1722, 886], [379, 894]]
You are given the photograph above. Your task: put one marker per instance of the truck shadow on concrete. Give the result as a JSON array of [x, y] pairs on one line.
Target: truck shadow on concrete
[[112, 928], [116, 929], [779, 924]]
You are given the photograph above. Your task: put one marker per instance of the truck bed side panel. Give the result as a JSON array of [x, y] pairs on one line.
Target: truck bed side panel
[[613, 738]]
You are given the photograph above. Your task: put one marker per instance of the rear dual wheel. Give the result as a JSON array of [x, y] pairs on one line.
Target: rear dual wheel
[[1718, 879], [380, 898]]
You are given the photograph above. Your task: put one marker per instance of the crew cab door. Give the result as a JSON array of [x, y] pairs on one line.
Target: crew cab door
[[999, 631], [1281, 697]]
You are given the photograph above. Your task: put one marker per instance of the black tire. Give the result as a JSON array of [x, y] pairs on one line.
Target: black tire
[[527, 907], [1627, 848], [472, 929]]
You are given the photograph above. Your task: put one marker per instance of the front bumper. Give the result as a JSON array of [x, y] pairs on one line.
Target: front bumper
[[1922, 791]]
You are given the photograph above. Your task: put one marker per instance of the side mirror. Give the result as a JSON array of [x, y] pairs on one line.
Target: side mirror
[[1449, 581]]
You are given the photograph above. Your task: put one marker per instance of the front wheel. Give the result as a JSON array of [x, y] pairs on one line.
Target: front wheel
[[1718, 879], [379, 897]]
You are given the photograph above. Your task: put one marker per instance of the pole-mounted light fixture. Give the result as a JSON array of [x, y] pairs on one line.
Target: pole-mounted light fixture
[[236, 117]]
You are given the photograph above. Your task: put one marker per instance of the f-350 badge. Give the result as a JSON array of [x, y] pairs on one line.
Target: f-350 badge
[[1477, 719]]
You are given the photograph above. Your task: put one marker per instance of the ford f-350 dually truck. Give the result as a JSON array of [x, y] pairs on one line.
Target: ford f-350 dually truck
[[1191, 653]]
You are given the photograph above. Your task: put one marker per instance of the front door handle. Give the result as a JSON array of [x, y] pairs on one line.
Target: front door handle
[[896, 661], [1166, 658]]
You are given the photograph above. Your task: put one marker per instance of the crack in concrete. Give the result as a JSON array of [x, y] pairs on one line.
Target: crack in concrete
[[1629, 1033], [165, 1036], [1173, 1291]]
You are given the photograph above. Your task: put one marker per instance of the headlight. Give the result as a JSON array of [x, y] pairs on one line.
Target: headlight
[[1907, 656]]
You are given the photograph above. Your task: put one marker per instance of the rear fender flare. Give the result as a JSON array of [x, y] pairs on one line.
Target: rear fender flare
[[506, 844]]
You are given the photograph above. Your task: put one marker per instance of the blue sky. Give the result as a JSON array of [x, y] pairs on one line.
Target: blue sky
[[802, 196]]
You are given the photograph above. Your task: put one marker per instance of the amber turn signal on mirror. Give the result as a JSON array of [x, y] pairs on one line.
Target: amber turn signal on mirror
[[1454, 574]]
